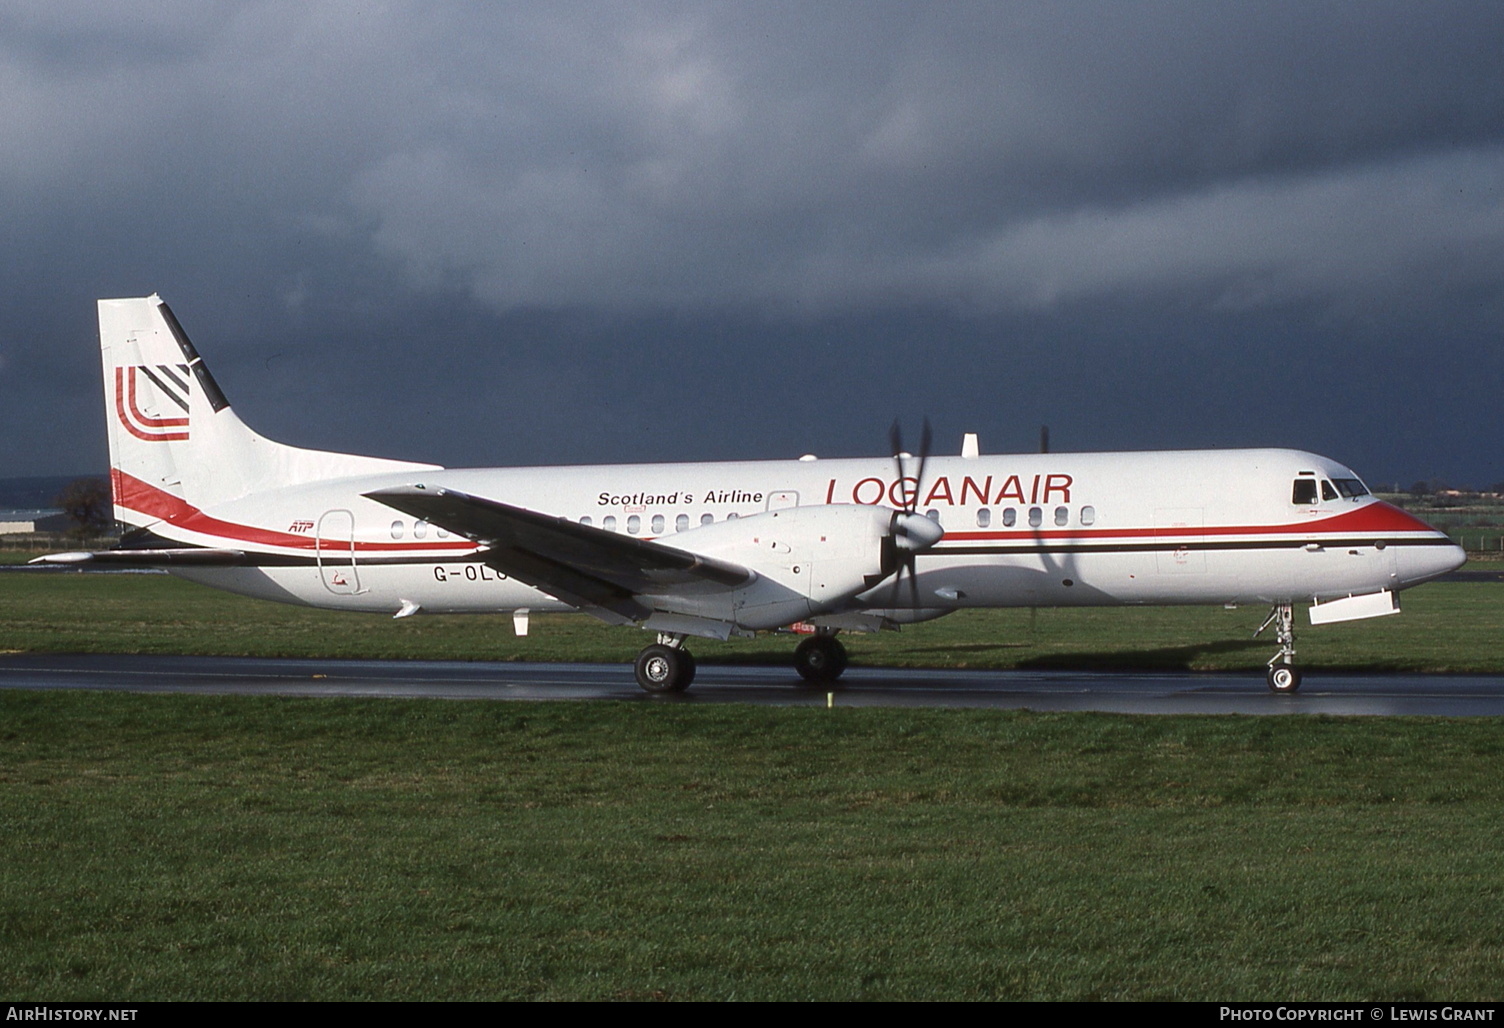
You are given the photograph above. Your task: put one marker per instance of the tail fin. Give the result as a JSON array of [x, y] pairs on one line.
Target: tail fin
[[174, 440]]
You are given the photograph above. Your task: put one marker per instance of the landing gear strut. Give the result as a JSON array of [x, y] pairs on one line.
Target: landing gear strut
[[1283, 676], [665, 666], [820, 659]]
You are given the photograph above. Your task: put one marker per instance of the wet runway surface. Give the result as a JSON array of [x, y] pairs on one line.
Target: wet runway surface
[[1130, 692]]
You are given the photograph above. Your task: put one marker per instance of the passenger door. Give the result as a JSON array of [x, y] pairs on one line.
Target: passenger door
[[334, 552]]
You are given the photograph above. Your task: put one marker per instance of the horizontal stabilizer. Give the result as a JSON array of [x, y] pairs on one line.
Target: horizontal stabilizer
[[193, 556]]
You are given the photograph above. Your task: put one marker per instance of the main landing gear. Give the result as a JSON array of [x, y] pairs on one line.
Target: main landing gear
[[1284, 676], [666, 666], [820, 659]]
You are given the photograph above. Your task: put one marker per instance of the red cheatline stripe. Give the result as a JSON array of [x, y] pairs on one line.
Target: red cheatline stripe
[[136, 495]]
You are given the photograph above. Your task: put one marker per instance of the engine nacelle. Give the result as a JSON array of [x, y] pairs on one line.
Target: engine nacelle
[[808, 560]]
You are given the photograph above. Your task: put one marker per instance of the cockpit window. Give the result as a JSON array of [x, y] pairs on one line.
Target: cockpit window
[[1328, 492], [1351, 488], [1304, 491]]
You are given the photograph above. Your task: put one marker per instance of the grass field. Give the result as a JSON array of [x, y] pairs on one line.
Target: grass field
[[256, 848], [234, 848]]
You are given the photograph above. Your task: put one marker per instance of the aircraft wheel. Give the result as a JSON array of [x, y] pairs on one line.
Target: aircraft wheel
[[1283, 678], [820, 659], [663, 669]]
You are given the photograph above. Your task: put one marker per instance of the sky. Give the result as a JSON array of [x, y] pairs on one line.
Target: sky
[[531, 233]]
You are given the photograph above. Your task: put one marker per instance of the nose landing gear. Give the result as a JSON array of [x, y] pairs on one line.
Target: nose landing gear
[[1284, 676]]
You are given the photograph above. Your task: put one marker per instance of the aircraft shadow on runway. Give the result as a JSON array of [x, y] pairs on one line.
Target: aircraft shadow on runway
[[1164, 658]]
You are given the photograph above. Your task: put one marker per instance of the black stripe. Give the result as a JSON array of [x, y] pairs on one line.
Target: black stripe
[[195, 362], [341, 557], [182, 383], [162, 388], [142, 539]]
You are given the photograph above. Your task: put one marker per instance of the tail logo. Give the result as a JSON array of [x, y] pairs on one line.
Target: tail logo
[[144, 391]]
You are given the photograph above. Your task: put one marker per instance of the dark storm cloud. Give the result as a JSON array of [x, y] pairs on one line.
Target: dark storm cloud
[[839, 161], [689, 230]]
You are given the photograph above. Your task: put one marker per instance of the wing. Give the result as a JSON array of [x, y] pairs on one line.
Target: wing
[[598, 571]]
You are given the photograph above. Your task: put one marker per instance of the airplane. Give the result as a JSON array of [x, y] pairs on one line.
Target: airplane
[[715, 550]]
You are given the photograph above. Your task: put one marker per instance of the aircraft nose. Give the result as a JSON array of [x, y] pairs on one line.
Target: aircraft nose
[[1422, 563]]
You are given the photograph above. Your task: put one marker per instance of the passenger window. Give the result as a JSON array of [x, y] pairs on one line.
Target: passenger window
[[609, 522], [1088, 515], [1304, 491], [933, 515], [657, 524], [586, 520], [1062, 515], [1327, 492], [420, 529], [681, 523], [1036, 517], [984, 517], [1009, 517], [396, 530], [707, 519], [443, 533]]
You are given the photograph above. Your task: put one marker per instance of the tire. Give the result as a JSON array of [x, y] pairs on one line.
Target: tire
[[820, 660], [686, 671], [1283, 678], [664, 669]]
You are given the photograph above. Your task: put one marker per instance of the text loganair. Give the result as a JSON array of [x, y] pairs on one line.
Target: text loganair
[[985, 491]]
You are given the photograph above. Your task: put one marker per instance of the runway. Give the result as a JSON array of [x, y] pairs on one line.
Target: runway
[[1118, 692]]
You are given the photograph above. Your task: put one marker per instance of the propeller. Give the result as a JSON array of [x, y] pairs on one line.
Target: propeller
[[911, 532]]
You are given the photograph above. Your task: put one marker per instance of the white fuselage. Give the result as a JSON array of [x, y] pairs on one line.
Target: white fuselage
[[1067, 529]]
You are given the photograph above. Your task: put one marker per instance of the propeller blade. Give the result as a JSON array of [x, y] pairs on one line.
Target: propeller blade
[[895, 442], [911, 534], [910, 531], [925, 439]]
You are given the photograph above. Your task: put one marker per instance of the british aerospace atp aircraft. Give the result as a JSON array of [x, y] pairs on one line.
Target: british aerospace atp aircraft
[[730, 549]]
